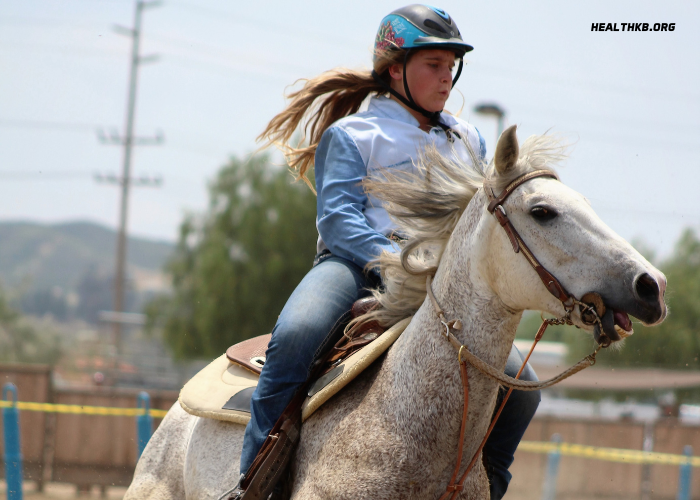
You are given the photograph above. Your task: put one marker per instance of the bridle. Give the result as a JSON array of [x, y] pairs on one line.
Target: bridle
[[591, 305], [591, 308]]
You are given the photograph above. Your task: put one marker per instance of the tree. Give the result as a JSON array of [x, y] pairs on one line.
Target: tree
[[234, 267], [22, 343]]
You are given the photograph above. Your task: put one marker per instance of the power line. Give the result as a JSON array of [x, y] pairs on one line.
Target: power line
[[22, 175], [49, 125], [504, 72], [238, 19], [64, 50]]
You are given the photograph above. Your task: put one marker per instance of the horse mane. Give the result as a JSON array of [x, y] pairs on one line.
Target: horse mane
[[426, 205]]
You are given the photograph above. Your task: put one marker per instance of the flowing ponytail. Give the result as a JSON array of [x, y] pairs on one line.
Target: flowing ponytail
[[320, 102]]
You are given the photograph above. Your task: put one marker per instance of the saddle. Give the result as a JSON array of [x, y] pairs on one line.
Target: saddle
[[250, 354], [223, 389]]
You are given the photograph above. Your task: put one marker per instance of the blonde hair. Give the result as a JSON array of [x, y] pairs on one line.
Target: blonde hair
[[322, 101]]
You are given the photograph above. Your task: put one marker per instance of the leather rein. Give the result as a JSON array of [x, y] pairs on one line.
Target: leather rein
[[590, 314]]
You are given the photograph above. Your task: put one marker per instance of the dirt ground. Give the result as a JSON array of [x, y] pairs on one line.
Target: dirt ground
[[60, 491]]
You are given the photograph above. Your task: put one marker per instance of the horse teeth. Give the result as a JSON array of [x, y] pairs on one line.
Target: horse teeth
[[622, 332]]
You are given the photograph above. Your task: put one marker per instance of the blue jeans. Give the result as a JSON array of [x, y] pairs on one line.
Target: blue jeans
[[302, 333]]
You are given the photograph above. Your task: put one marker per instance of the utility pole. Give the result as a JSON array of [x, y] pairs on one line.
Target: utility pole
[[493, 109], [125, 181]]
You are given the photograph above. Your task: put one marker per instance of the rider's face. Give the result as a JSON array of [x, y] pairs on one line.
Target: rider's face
[[429, 77]]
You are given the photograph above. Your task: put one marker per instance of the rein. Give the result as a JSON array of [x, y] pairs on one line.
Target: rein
[[590, 315]]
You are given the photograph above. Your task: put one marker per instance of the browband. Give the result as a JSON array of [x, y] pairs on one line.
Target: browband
[[497, 200]]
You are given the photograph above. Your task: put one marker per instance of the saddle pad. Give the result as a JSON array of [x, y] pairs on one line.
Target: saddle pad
[[217, 384]]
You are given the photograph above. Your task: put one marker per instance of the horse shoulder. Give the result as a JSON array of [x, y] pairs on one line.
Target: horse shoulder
[[213, 456], [352, 446]]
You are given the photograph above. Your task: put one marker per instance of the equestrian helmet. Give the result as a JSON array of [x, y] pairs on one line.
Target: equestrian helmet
[[419, 27]]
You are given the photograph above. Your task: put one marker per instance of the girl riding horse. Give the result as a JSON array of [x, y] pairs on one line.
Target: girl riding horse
[[418, 54]]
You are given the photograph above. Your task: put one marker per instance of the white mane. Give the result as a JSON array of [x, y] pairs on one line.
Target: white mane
[[426, 207]]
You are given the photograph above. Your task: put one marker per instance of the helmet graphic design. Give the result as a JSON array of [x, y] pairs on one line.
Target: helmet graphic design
[[386, 38]]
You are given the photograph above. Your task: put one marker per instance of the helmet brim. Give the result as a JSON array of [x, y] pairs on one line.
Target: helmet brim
[[454, 44]]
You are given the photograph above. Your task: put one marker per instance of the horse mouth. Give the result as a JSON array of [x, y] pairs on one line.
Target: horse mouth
[[623, 325], [616, 326]]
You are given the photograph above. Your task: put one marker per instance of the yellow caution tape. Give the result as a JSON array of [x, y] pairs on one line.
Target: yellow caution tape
[[80, 409], [567, 449], [609, 454]]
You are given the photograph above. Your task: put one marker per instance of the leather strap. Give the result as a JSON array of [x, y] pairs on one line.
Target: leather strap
[[495, 207], [271, 461], [498, 200], [453, 488], [275, 453]]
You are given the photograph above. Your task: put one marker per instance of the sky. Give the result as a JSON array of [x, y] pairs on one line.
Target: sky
[[628, 102]]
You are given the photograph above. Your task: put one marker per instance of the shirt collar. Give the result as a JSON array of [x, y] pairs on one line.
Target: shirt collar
[[389, 108]]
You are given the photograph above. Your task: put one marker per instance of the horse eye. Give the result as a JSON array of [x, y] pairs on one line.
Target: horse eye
[[543, 214]]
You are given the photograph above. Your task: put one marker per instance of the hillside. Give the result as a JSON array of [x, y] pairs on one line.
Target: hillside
[[35, 257]]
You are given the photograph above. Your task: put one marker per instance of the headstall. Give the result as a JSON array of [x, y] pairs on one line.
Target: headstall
[[591, 308]]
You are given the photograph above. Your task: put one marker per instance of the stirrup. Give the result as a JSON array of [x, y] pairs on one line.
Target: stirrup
[[235, 493]]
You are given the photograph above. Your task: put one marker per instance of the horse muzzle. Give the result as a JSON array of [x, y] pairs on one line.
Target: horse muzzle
[[646, 303]]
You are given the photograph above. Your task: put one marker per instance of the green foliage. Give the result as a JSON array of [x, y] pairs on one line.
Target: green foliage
[[234, 268], [675, 344], [22, 343]]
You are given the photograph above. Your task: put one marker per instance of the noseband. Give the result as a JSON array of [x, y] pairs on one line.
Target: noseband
[[590, 315]]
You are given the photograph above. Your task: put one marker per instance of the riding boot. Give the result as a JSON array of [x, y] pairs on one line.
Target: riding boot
[[497, 484]]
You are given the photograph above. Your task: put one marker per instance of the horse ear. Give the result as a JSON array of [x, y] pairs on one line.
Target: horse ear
[[507, 151]]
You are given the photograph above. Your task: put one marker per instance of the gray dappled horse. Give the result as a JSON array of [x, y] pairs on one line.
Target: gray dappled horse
[[393, 432]]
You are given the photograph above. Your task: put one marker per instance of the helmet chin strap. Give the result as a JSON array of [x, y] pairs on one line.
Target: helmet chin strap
[[433, 116]]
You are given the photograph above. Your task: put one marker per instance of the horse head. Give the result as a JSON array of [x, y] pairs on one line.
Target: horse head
[[560, 228]]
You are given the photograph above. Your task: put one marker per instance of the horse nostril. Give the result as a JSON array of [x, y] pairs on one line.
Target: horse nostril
[[647, 288]]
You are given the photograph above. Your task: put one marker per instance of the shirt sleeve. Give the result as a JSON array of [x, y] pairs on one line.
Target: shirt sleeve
[[341, 200]]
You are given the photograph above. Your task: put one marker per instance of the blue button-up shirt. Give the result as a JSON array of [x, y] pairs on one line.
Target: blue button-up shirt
[[351, 224]]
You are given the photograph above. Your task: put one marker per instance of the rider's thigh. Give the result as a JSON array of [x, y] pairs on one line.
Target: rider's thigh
[[325, 294]]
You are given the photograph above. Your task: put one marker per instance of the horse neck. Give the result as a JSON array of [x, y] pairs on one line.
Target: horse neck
[[464, 288], [424, 372]]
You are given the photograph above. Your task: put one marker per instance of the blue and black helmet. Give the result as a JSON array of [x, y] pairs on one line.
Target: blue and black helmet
[[419, 27]]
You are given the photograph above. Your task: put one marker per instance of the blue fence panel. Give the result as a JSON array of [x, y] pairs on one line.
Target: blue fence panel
[[144, 423], [13, 451], [685, 476], [549, 489]]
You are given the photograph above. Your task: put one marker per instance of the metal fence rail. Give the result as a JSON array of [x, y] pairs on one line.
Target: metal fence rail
[[609, 454], [80, 409], [555, 449], [144, 421]]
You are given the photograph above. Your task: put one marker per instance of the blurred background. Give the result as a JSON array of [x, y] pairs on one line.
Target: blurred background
[[218, 237]]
